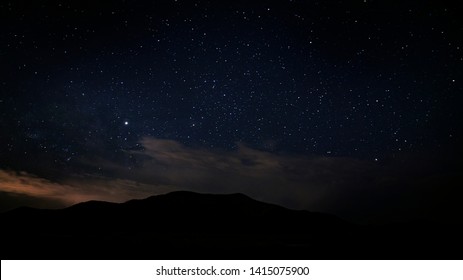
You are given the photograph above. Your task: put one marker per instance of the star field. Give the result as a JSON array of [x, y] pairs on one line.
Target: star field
[[362, 80]]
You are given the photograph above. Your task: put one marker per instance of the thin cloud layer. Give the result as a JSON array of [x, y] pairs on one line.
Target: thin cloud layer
[[326, 184], [295, 181], [76, 189]]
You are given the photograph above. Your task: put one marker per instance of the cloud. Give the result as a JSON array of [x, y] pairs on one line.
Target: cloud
[[354, 189], [166, 165], [294, 181], [75, 189], [28, 184]]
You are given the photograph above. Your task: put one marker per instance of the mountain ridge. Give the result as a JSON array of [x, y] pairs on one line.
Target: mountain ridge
[[194, 225]]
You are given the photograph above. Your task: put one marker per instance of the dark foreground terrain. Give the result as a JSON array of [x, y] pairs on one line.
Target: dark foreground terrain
[[185, 225]]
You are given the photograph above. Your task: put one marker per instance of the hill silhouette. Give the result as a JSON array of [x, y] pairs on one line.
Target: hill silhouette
[[187, 225]]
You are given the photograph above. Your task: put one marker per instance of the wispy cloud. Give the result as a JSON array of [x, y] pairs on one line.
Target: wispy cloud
[[348, 187], [74, 189], [291, 180]]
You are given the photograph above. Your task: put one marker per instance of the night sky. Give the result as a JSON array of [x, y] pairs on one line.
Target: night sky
[[352, 108]]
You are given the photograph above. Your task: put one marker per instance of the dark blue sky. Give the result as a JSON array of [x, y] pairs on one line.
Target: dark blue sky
[[91, 82]]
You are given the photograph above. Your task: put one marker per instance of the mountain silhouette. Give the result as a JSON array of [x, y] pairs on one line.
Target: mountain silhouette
[[187, 225]]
